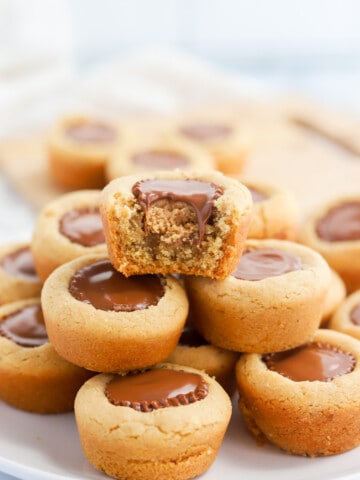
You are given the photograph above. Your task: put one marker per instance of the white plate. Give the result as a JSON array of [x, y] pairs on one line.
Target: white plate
[[46, 447]]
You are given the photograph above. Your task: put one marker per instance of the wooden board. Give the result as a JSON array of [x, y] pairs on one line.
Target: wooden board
[[314, 162]]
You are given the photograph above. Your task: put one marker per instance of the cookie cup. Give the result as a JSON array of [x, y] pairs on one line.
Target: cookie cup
[[16, 287], [173, 442], [49, 246], [341, 318], [109, 341], [335, 295], [309, 418], [269, 315], [342, 256], [36, 379]]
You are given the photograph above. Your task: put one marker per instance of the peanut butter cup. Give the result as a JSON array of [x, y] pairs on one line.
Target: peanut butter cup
[[160, 160], [91, 132], [20, 263], [175, 222], [341, 223], [156, 389], [346, 318], [203, 132], [355, 315], [83, 226], [25, 327], [152, 425]]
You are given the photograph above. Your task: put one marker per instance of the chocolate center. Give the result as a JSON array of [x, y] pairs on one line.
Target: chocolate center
[[257, 196], [25, 327], [160, 159], [199, 195], [155, 389], [206, 131], [91, 132], [83, 226], [20, 263], [341, 223], [355, 315], [260, 263], [191, 338], [310, 362], [101, 286]]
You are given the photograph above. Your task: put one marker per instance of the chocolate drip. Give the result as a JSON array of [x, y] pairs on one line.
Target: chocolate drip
[[311, 362], [25, 327], [154, 389], [83, 226], [198, 194]]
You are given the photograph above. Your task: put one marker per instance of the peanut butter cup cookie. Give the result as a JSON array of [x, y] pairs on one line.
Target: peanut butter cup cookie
[[272, 301], [98, 319], [334, 231], [164, 423], [18, 278], [162, 154], [335, 295], [67, 228], [346, 317], [78, 149], [305, 400], [33, 377], [176, 222]]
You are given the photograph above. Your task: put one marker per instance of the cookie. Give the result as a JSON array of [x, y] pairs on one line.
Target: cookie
[[346, 318], [194, 351], [335, 294], [272, 301], [98, 319], [175, 222], [164, 423], [142, 156], [18, 278], [227, 141], [78, 149], [33, 377], [306, 400], [67, 228], [275, 212], [334, 231]]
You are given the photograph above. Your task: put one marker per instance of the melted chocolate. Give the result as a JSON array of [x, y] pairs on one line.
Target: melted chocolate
[[355, 315], [91, 132], [83, 226], [257, 196], [200, 195], [20, 263], [160, 159], [311, 362], [341, 223], [155, 389], [206, 131], [191, 338], [101, 286], [260, 263], [25, 327]]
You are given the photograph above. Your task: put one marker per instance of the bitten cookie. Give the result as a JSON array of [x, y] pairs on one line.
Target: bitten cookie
[[176, 222], [227, 141], [32, 375], [346, 318], [78, 149], [164, 423], [98, 319], [18, 278], [67, 228], [275, 212], [194, 351], [272, 301], [141, 156], [306, 400], [334, 231]]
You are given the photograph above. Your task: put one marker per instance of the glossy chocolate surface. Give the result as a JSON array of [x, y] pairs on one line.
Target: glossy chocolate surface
[[341, 223], [83, 226], [206, 131], [20, 263], [259, 263], [198, 194], [91, 132], [355, 315], [158, 388], [311, 362], [160, 159], [101, 286], [25, 327]]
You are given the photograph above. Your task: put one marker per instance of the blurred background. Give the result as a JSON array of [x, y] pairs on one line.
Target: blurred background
[[56, 53]]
